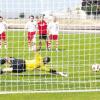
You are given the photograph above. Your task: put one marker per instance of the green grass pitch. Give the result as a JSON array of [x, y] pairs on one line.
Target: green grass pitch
[[77, 52]]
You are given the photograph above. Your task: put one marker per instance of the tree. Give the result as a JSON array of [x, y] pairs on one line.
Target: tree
[[91, 6], [21, 15]]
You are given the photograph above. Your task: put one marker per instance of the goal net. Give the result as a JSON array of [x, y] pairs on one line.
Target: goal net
[[72, 51]]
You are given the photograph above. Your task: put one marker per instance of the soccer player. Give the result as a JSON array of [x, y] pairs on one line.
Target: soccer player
[[20, 65], [3, 27], [42, 27], [53, 30], [31, 27]]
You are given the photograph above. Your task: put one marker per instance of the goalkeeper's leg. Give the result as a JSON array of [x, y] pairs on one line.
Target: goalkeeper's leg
[[6, 70]]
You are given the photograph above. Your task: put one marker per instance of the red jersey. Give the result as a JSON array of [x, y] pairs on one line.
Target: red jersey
[[42, 27]]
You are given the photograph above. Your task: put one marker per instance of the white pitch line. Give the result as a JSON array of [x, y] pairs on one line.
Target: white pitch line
[[51, 91], [33, 81]]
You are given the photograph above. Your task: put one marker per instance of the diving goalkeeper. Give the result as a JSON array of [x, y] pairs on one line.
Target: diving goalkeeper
[[20, 65]]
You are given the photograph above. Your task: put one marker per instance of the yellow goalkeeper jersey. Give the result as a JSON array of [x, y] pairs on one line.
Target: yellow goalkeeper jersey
[[37, 62]]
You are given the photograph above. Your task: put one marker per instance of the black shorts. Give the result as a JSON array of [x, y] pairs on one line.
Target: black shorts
[[18, 65], [43, 36]]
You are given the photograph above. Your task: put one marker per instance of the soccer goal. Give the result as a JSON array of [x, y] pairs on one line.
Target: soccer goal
[[49, 46]]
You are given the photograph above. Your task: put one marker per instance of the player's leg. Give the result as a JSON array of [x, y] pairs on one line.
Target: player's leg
[[40, 42], [0, 43], [17, 66], [49, 41], [5, 44], [29, 40], [29, 45], [49, 45], [13, 69], [34, 44], [45, 37], [56, 46], [4, 39], [55, 38], [7, 69]]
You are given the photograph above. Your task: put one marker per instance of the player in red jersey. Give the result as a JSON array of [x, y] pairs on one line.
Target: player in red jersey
[[3, 27], [42, 27]]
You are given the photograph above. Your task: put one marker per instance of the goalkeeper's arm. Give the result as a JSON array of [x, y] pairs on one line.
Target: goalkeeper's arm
[[52, 71], [58, 73]]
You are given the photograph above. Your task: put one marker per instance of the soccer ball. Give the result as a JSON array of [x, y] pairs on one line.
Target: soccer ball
[[95, 67]]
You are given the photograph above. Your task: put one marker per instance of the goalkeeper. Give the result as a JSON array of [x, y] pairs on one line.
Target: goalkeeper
[[20, 65]]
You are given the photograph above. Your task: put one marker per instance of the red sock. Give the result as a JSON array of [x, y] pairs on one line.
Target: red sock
[[48, 44]]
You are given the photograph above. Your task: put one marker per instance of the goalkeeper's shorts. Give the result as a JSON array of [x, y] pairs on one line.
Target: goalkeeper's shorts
[[18, 66]]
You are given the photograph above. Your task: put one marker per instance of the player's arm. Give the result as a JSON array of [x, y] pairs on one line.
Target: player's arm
[[52, 71]]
